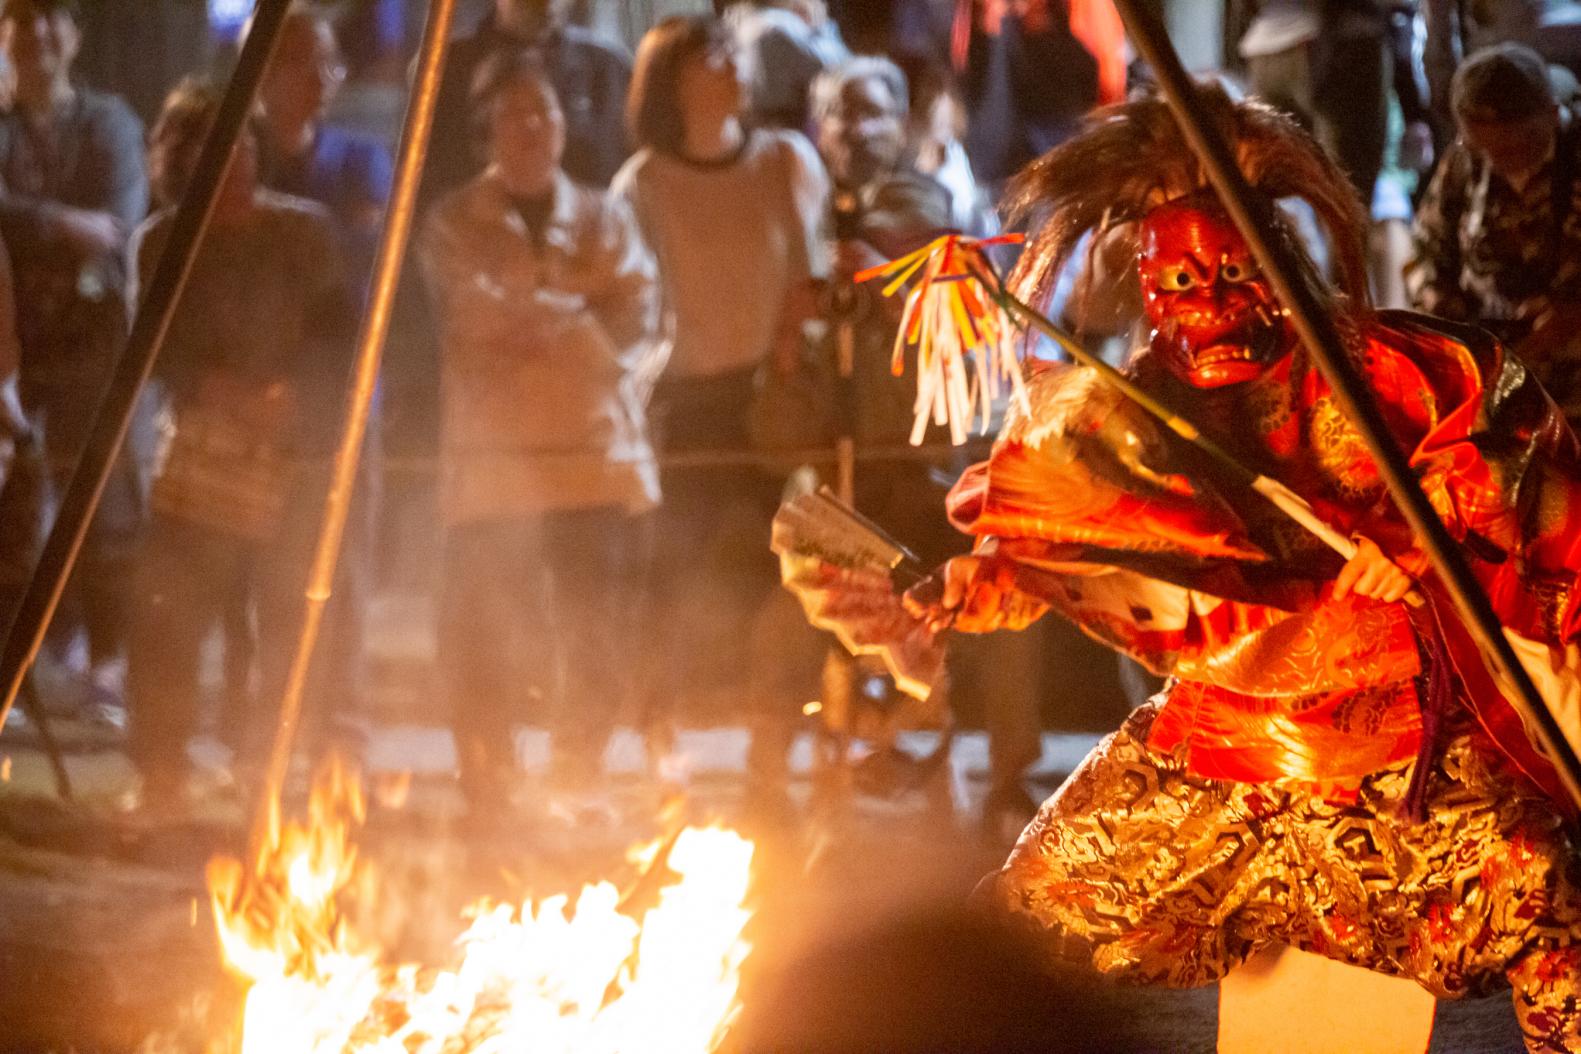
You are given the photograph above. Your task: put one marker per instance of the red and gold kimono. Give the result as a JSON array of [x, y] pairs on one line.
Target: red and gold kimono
[[1327, 768], [1267, 793], [1275, 680]]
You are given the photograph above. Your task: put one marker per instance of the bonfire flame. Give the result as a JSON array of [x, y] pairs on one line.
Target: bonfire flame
[[528, 977], [965, 342]]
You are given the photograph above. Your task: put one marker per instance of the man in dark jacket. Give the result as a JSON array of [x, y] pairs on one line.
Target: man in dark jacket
[[72, 187]]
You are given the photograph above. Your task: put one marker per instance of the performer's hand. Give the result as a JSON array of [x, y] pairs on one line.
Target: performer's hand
[[978, 595], [1371, 574]]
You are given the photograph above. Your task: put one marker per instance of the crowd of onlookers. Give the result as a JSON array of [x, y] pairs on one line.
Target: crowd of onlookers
[[632, 275], [208, 518]]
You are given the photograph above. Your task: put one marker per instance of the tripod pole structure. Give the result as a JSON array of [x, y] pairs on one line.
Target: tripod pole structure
[[398, 222], [837, 681], [1253, 216], [119, 401]]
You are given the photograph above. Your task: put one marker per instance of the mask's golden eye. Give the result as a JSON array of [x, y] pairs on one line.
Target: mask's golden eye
[[1175, 279], [1238, 270]]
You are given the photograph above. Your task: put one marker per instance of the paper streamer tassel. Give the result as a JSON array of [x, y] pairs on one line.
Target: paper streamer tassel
[[964, 342]]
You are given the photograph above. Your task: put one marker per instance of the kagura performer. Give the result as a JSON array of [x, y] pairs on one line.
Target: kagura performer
[[1328, 766]]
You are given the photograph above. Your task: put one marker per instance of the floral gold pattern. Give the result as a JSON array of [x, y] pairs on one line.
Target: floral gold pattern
[[1155, 875]]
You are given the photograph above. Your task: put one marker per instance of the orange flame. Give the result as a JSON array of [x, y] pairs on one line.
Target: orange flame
[[965, 342], [529, 977]]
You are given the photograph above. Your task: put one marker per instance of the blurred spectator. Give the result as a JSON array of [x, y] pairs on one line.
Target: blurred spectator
[[546, 299], [590, 76], [1030, 69], [884, 208], [138, 50], [733, 218], [302, 154], [71, 189], [1410, 147], [1349, 71], [784, 45], [937, 128], [1455, 29], [20, 467], [861, 111], [724, 210], [255, 367], [1497, 237], [1328, 65], [881, 206], [1416, 148]]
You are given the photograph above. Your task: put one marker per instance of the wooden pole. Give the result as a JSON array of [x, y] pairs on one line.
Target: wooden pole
[[1253, 215], [397, 231]]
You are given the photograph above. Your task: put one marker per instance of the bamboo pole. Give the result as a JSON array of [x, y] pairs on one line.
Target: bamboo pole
[[26, 632], [397, 231], [1317, 330]]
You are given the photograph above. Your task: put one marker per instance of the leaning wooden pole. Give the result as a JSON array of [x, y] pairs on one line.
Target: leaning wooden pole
[[1253, 215], [161, 296], [397, 231]]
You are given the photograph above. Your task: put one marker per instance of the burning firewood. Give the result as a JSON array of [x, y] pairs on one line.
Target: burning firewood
[[653, 968]]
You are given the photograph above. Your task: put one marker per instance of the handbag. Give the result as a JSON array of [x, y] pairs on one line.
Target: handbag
[[794, 412], [217, 475]]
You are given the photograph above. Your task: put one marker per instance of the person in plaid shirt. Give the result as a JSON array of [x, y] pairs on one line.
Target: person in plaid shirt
[[1498, 234]]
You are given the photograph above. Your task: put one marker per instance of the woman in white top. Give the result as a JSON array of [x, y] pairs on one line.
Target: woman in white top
[[733, 218]]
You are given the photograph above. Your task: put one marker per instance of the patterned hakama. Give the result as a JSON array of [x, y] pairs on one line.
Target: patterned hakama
[[1156, 876], [1268, 795]]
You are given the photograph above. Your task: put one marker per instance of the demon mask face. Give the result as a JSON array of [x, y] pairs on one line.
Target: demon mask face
[[1215, 320]]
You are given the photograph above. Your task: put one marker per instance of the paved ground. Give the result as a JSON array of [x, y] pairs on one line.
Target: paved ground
[[110, 917]]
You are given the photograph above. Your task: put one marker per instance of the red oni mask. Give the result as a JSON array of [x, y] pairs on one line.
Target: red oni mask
[[1215, 320]]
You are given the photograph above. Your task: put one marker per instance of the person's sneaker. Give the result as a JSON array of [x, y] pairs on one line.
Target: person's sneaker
[[105, 709]]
